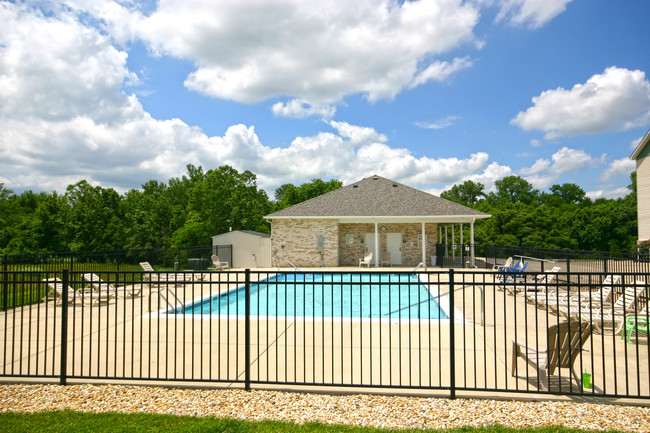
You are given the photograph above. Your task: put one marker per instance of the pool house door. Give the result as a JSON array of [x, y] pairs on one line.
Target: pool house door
[[394, 247]]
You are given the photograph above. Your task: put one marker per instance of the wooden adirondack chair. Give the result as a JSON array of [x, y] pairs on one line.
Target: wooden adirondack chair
[[564, 340]]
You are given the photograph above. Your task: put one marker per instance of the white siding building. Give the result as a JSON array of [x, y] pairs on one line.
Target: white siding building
[[642, 157], [249, 249]]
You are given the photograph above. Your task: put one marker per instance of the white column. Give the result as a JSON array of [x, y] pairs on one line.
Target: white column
[[376, 245], [462, 247], [453, 242], [471, 248], [424, 246], [446, 242]]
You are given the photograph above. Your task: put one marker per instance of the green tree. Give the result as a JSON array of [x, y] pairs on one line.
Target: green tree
[[289, 195], [567, 193], [514, 189], [95, 219], [467, 193]]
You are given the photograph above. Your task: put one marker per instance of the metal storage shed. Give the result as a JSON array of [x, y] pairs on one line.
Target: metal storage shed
[[250, 249]]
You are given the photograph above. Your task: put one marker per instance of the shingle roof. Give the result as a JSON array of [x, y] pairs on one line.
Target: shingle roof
[[376, 196]]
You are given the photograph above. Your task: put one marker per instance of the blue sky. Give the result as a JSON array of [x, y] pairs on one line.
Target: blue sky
[[427, 93]]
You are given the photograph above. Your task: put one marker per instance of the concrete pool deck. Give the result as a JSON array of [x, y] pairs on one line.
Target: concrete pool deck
[[124, 340]]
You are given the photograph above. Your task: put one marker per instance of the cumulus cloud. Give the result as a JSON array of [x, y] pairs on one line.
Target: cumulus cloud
[[65, 116], [350, 153], [530, 13], [617, 98], [313, 52], [545, 172], [618, 167]]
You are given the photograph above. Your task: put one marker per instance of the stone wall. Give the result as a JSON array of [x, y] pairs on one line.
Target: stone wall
[[349, 254], [299, 237]]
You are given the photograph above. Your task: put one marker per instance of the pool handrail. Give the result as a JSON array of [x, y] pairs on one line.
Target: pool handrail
[[287, 260], [160, 295]]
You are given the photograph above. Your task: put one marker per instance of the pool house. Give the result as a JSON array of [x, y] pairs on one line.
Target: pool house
[[398, 224]]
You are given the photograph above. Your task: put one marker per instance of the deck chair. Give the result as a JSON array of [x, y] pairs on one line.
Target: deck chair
[[509, 276], [217, 264], [366, 260], [100, 286], [564, 344], [507, 264], [535, 285], [385, 259], [605, 316], [597, 298], [635, 322], [154, 276], [58, 292]]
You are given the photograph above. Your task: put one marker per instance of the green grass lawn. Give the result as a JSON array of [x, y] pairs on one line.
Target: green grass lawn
[[69, 421]]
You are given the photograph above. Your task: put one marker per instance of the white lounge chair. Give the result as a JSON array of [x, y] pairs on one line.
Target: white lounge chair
[[536, 285], [597, 298], [217, 264], [153, 275], [58, 292], [366, 260], [100, 286], [605, 316]]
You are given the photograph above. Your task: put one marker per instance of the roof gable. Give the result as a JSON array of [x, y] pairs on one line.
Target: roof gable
[[376, 196], [639, 151]]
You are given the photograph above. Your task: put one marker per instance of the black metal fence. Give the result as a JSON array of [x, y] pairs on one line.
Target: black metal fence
[[440, 332], [541, 259]]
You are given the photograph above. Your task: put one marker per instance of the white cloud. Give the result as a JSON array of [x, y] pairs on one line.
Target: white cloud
[[445, 122], [80, 74], [353, 152], [619, 167], [617, 98], [440, 71], [297, 108], [544, 172], [535, 142], [530, 13], [316, 52], [608, 194]]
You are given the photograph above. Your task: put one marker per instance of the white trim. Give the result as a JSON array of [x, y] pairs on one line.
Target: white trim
[[392, 219], [645, 140]]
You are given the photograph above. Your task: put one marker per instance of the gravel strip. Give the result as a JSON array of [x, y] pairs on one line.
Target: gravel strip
[[362, 410]]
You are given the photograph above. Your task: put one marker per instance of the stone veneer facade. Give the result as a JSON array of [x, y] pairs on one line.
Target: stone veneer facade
[[299, 237]]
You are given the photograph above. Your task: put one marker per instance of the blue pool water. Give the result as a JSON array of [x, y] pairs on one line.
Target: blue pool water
[[324, 295]]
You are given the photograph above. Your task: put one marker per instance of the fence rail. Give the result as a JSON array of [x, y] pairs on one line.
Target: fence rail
[[432, 331], [541, 259]]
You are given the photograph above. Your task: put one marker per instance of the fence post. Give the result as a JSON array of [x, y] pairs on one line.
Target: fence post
[[247, 331], [5, 284], [452, 349], [64, 327], [604, 262]]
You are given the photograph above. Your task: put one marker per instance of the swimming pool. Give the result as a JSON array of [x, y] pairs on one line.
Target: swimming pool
[[328, 295]]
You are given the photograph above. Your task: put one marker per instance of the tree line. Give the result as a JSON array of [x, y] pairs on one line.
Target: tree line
[[189, 210], [563, 218]]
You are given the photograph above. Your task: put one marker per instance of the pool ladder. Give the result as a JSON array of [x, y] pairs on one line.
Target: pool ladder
[[169, 304]]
